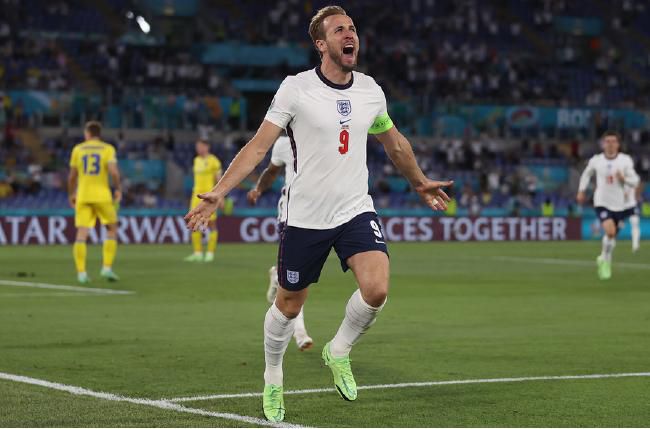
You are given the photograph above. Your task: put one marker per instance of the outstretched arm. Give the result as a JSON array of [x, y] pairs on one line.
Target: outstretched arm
[[265, 181], [240, 167], [401, 154], [584, 182]]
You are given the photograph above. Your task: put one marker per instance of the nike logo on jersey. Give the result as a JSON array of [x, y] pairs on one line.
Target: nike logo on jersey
[[379, 242], [343, 122]]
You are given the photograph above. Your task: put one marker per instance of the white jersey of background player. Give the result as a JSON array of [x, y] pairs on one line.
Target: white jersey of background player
[[281, 159], [614, 172]]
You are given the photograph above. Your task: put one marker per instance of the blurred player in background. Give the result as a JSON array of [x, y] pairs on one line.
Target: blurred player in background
[[89, 194], [327, 113], [281, 157], [632, 199], [614, 174], [207, 172]]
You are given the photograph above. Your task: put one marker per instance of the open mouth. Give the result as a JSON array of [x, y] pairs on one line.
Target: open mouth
[[348, 49]]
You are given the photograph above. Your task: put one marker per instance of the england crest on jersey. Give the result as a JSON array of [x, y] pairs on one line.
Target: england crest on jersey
[[293, 276], [344, 107]]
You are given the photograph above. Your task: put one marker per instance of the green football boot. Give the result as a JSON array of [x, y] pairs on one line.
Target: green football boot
[[109, 275], [83, 278], [273, 403], [209, 257], [342, 373], [604, 268], [194, 257]]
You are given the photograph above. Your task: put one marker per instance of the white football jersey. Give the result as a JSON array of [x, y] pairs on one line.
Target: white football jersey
[[610, 192], [327, 125], [282, 156]]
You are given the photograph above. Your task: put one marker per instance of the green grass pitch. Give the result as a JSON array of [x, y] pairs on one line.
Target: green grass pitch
[[456, 311]]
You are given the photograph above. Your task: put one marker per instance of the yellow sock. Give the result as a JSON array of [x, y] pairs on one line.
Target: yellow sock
[[109, 249], [79, 253], [212, 241], [197, 237]]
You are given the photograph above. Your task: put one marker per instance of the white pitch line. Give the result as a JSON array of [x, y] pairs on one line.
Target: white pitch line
[[162, 404], [50, 294], [575, 262], [65, 287], [418, 384]]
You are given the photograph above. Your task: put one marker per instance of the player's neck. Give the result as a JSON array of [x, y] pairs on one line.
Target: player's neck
[[608, 156], [333, 73]]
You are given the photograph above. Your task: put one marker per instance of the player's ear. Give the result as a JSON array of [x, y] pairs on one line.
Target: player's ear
[[321, 46]]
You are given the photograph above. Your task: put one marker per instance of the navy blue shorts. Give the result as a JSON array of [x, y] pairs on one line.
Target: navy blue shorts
[[617, 217], [303, 252]]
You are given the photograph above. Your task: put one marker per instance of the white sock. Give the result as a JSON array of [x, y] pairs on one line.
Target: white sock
[[359, 316], [608, 248], [636, 231], [277, 334], [299, 329]]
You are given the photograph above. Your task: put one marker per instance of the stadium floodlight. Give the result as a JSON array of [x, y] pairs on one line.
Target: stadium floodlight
[[130, 15], [144, 25]]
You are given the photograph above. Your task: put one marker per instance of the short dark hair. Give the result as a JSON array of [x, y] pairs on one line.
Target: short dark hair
[[316, 30], [612, 133], [203, 141], [94, 128]]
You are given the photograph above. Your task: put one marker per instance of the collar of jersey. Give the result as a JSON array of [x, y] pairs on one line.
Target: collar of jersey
[[331, 84]]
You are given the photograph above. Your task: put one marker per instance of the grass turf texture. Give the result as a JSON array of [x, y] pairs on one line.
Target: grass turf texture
[[455, 312]]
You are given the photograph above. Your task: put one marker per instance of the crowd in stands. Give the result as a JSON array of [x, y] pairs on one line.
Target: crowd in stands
[[426, 51], [519, 176]]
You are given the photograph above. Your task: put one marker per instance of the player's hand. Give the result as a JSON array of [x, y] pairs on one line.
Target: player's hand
[[252, 196], [72, 200], [432, 194], [581, 198], [117, 196], [198, 217]]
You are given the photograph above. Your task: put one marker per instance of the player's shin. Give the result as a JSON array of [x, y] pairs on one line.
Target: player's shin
[[79, 253], [359, 316], [277, 333], [212, 241], [608, 248], [197, 238], [109, 250]]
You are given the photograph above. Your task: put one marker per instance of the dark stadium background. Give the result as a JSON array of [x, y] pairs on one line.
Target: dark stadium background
[[507, 97]]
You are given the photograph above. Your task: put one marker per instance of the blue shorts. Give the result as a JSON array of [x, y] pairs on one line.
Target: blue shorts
[[617, 217], [303, 252]]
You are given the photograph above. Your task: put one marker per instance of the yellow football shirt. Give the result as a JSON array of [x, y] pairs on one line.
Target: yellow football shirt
[[91, 159], [204, 171]]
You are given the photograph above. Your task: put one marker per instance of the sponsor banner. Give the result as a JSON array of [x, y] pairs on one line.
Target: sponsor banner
[[17, 230]]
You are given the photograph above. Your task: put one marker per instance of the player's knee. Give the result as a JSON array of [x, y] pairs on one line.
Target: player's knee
[[290, 309], [289, 306], [375, 293], [111, 230], [82, 234]]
